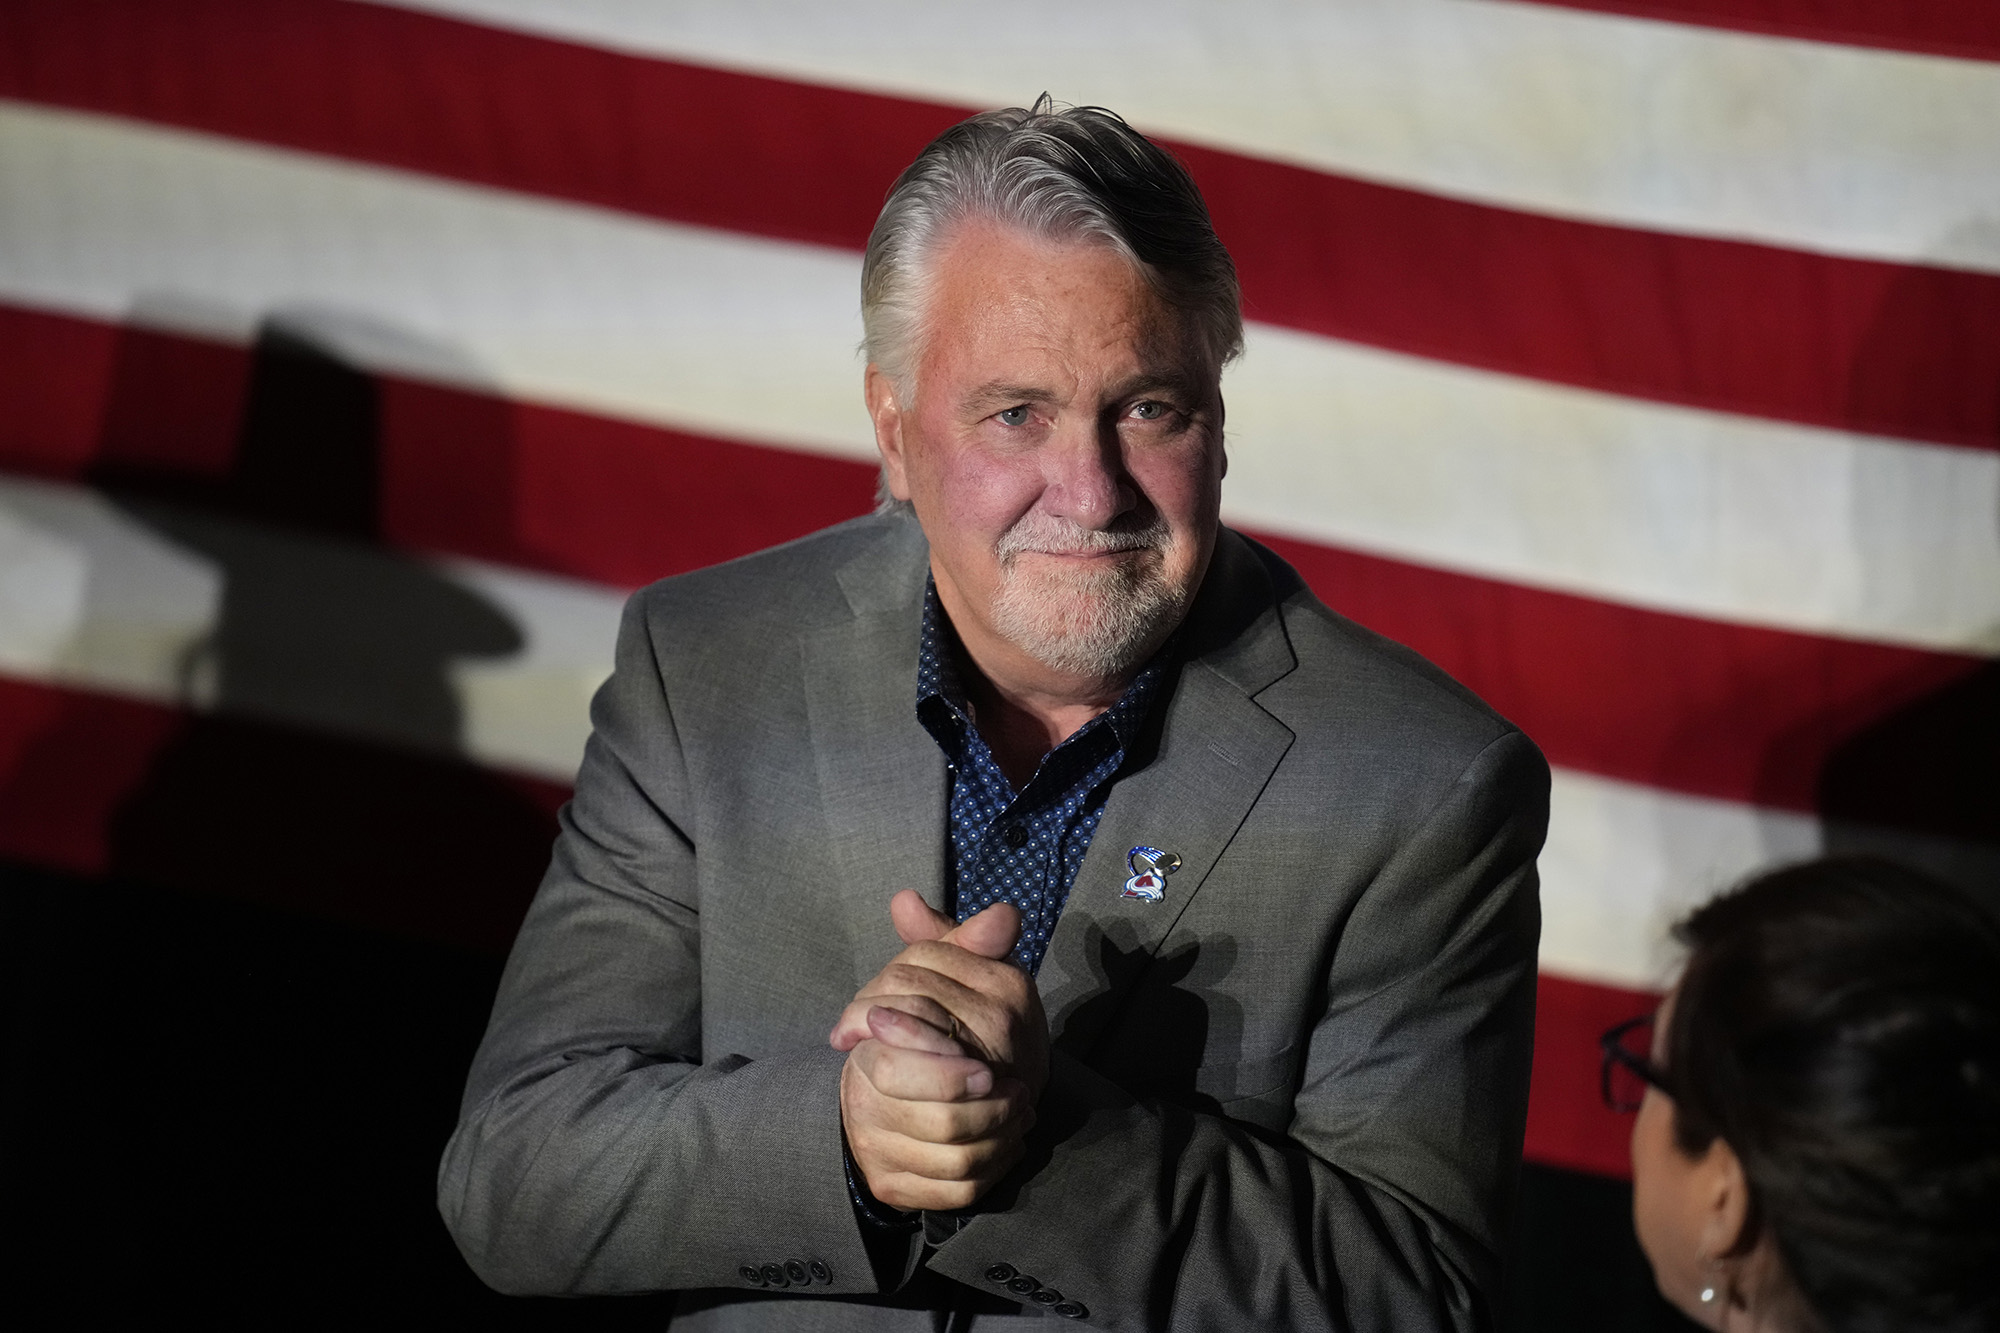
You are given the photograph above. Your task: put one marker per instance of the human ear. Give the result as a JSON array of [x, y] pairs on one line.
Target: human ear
[[885, 410], [1725, 1195], [1729, 1258]]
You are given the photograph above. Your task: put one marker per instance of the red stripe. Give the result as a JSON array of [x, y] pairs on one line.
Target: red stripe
[[55, 380], [390, 840], [525, 113], [457, 472], [1889, 349], [1569, 1125], [1736, 712], [605, 500], [1892, 349], [1968, 28], [416, 845], [1730, 711]]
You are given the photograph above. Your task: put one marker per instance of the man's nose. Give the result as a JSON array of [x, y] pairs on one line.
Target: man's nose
[[1085, 474]]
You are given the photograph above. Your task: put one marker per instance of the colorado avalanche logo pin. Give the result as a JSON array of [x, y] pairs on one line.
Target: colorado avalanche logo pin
[[1150, 868]]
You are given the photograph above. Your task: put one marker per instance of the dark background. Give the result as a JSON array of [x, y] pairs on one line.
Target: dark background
[[233, 1111]]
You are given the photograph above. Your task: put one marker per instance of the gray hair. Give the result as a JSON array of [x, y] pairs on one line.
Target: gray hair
[[1057, 172]]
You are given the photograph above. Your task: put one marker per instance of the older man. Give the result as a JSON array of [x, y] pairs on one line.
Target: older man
[[1176, 936]]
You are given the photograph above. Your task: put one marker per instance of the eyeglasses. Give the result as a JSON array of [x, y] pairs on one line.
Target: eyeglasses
[[1628, 1065]]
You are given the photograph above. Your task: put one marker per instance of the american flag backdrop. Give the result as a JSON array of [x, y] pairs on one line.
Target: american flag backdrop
[[1638, 363]]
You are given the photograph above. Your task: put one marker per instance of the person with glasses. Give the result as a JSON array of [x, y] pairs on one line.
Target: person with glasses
[[1817, 1148]]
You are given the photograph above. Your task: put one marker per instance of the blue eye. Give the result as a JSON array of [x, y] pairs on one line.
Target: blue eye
[[1149, 410], [1014, 416]]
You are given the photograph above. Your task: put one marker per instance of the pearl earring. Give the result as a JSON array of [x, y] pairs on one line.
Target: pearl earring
[[1708, 1290]]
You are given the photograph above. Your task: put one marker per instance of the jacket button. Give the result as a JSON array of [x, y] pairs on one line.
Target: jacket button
[[751, 1275], [1015, 837], [1022, 1285], [795, 1269], [1046, 1296], [1071, 1310], [820, 1272], [1001, 1273], [774, 1276]]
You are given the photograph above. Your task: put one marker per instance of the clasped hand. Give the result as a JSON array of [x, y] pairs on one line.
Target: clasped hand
[[947, 1054]]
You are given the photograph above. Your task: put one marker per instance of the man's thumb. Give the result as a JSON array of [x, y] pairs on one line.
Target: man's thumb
[[914, 920], [990, 934]]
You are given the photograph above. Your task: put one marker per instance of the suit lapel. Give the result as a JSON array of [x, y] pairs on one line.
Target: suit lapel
[[1217, 749], [883, 782], [881, 776]]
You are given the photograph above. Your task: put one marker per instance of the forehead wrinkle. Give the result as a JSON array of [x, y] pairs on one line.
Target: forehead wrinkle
[[1006, 391], [1059, 332], [1169, 378]]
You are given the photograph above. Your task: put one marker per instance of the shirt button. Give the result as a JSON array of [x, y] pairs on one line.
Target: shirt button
[[1015, 836]]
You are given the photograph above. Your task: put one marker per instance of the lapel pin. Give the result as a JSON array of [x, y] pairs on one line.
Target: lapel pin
[[1150, 868]]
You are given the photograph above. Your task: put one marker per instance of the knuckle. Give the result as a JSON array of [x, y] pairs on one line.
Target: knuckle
[[866, 1061], [984, 1131], [960, 1162], [895, 1192], [887, 1152], [958, 1194], [930, 1126], [866, 1156], [963, 1123], [985, 1015]]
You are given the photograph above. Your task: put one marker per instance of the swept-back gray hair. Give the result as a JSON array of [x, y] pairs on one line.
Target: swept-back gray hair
[[1062, 173]]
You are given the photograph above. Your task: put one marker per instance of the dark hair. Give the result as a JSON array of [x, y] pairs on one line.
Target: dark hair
[[1838, 1025], [1061, 172]]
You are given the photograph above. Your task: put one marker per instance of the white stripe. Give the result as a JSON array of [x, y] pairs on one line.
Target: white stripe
[[1713, 515], [1650, 124], [143, 601], [1624, 862], [1732, 518], [531, 709], [702, 329]]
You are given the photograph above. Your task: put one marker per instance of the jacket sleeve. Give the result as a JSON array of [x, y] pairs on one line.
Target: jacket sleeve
[[596, 1150], [1379, 1207]]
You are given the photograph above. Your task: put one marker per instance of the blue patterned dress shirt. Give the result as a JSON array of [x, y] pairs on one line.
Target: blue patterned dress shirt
[[1020, 847]]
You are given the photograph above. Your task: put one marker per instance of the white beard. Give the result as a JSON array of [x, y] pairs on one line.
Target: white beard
[[1086, 622]]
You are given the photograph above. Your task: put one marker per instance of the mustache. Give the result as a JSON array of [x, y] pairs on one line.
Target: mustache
[[1048, 534]]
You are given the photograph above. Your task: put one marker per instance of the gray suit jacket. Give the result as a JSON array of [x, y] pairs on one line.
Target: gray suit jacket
[[1289, 1095]]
